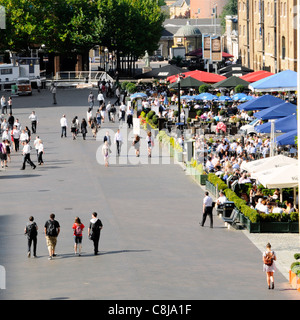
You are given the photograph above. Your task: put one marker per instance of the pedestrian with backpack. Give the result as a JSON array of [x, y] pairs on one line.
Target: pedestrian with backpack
[[52, 230], [78, 228], [269, 257], [30, 230], [94, 231]]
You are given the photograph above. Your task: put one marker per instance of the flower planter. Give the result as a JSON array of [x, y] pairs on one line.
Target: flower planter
[[294, 280]]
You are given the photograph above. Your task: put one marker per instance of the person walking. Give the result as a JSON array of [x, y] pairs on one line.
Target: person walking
[[207, 209], [9, 103], [105, 152], [269, 267], [52, 230], [16, 133], [3, 155], [107, 138], [10, 121], [33, 118], [26, 156], [100, 99], [77, 234], [91, 100], [83, 128], [3, 105], [118, 141], [64, 126], [53, 91], [136, 144], [94, 231], [40, 152], [74, 128], [31, 230], [150, 143]]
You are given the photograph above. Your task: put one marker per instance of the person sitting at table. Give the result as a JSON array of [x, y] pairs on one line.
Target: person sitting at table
[[221, 200], [276, 194], [244, 179], [276, 209], [289, 207]]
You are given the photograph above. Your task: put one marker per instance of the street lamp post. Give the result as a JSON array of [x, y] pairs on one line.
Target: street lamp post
[[180, 76]]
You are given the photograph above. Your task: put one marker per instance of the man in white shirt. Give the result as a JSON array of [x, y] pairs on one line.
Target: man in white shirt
[[16, 135], [26, 156], [209, 166], [118, 141], [33, 118], [221, 200], [207, 209], [6, 135], [64, 125]]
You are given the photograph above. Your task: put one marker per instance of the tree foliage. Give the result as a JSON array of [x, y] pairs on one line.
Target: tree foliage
[[127, 26]]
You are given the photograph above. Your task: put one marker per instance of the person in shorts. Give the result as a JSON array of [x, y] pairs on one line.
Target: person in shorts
[[78, 228], [52, 230]]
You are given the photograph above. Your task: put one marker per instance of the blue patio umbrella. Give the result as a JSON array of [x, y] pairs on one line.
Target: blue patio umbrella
[[206, 96], [248, 98], [284, 124], [260, 103], [186, 97], [279, 111], [224, 98], [238, 96], [283, 81], [138, 95], [287, 138]]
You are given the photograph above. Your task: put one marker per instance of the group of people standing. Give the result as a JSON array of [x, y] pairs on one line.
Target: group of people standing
[[52, 230]]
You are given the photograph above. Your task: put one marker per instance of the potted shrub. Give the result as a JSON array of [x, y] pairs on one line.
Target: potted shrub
[[294, 273]]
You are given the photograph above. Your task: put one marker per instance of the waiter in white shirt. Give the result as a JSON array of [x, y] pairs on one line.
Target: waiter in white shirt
[[33, 118], [118, 141], [207, 209], [26, 156], [64, 125]]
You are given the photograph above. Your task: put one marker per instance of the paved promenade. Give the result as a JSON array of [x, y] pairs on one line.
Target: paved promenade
[[152, 246]]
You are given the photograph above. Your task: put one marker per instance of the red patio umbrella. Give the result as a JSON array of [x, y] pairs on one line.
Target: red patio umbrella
[[203, 76], [256, 75]]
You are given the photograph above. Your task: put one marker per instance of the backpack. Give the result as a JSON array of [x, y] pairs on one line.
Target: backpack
[[268, 258], [78, 230], [51, 229], [31, 230]]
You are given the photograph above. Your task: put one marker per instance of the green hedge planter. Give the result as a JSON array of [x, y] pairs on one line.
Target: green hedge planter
[[268, 227]]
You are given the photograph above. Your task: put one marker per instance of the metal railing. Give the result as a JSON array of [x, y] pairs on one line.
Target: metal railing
[[83, 76]]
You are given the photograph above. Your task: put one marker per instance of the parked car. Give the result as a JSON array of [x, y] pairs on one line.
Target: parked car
[[24, 86]]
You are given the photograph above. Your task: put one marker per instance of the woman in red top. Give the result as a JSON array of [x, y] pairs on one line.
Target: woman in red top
[[78, 228]]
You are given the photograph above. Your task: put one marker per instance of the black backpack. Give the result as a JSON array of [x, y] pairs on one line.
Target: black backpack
[[31, 230]]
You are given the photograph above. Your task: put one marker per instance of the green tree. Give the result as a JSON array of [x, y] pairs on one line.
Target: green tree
[[231, 8]]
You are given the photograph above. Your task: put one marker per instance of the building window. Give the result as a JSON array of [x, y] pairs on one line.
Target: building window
[[283, 48], [6, 71], [268, 39]]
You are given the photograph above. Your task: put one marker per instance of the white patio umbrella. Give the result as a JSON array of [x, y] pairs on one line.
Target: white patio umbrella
[[267, 163], [280, 177]]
